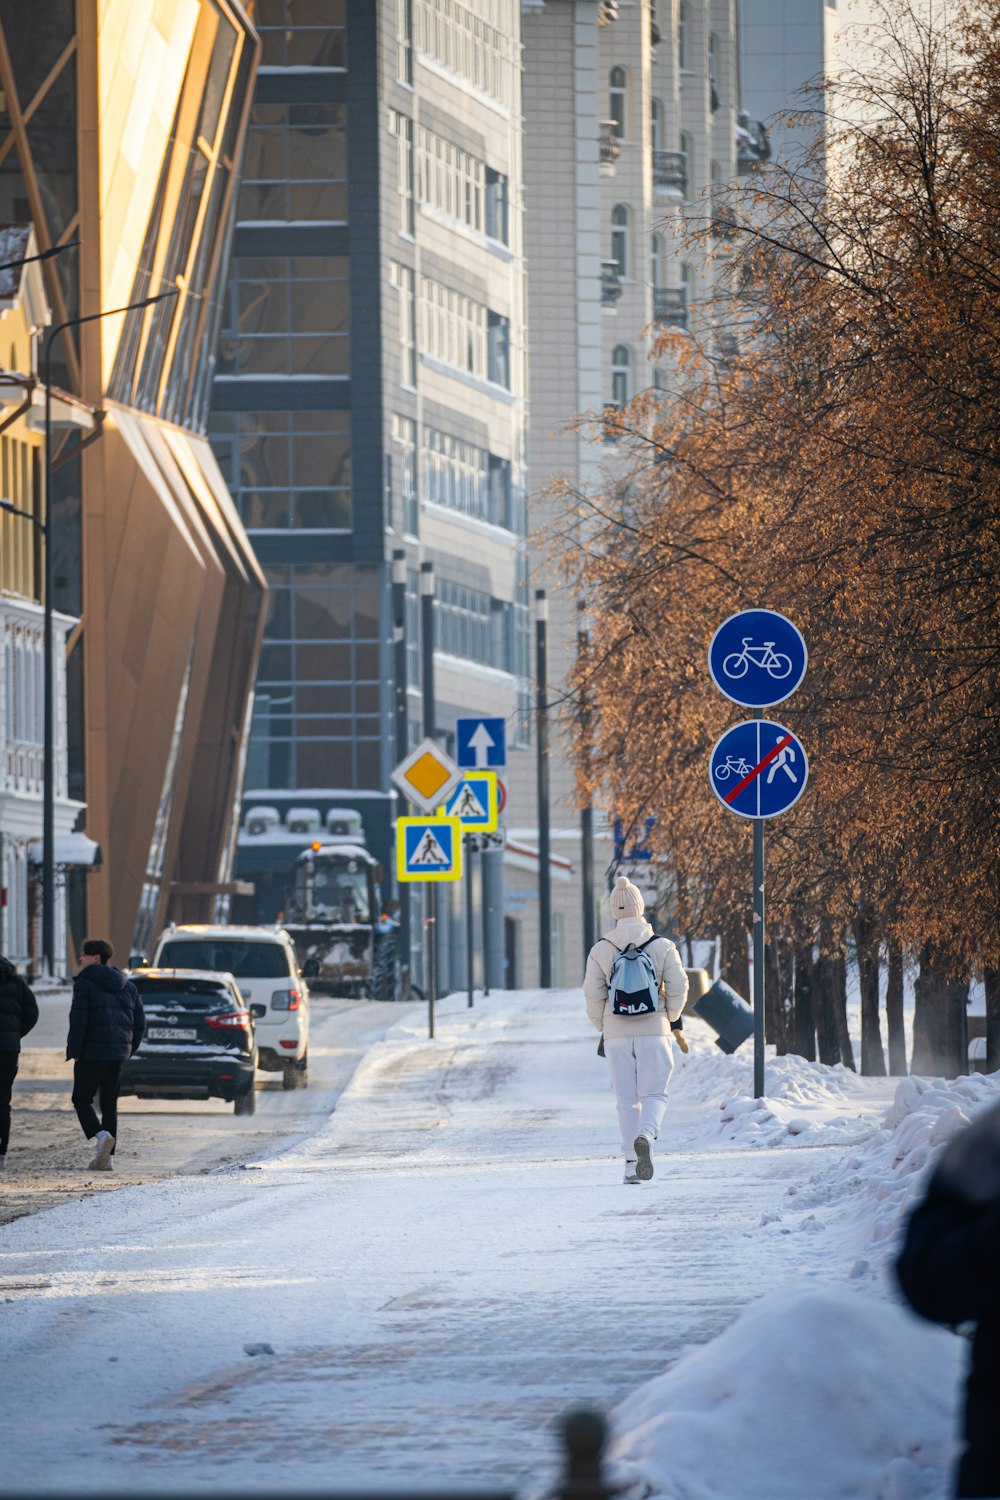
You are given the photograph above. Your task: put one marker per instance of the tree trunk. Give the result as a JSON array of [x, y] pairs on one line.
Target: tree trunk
[[839, 984], [866, 938], [826, 1011], [894, 1012], [991, 980], [803, 1017], [940, 1025], [735, 959], [772, 1000]]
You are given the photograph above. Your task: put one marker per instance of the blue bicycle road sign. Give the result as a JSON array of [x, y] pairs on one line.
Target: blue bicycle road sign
[[481, 744], [758, 769], [757, 658]]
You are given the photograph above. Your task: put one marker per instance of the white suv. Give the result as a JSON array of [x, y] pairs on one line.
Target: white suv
[[263, 962]]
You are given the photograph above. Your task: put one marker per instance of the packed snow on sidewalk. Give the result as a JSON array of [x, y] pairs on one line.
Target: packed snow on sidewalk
[[453, 1260]]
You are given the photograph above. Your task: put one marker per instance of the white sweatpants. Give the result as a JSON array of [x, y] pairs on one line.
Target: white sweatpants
[[640, 1072]]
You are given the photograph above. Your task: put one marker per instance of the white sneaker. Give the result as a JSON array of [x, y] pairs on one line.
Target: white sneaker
[[643, 1157], [631, 1175], [105, 1144]]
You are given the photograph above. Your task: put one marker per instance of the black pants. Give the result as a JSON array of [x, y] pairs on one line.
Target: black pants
[[8, 1072], [90, 1078]]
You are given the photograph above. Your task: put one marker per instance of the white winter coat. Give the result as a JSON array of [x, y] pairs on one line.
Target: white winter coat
[[667, 967]]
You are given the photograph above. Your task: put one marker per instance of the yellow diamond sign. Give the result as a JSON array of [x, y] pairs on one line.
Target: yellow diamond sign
[[427, 776]]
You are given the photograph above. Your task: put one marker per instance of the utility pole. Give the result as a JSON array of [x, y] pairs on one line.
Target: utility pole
[[430, 715], [586, 812], [400, 719], [544, 871]]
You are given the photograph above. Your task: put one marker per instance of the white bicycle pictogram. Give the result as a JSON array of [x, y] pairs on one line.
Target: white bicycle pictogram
[[775, 663], [736, 765]]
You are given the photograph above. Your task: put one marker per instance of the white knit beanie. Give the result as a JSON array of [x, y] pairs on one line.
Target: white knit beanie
[[626, 899]]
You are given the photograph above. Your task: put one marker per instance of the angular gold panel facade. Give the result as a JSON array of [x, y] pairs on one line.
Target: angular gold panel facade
[[122, 126]]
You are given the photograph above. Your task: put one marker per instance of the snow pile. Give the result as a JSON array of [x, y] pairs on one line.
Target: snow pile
[[864, 1196], [808, 1392], [806, 1103]]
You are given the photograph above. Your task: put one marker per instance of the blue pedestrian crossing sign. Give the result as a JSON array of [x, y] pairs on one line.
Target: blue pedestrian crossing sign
[[481, 744], [428, 849], [758, 769], [474, 802], [757, 658]]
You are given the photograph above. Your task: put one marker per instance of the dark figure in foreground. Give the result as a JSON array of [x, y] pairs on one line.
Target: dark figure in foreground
[[18, 1013], [949, 1270], [106, 1025]]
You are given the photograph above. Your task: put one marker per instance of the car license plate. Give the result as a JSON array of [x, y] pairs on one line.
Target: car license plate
[[171, 1034]]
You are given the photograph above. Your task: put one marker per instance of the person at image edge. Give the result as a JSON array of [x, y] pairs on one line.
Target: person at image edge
[[18, 1014]]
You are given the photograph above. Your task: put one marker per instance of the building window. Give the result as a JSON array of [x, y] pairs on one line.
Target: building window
[[496, 206], [471, 625], [270, 301], [453, 182], [286, 470], [401, 126], [404, 439], [404, 41], [617, 101], [619, 239], [687, 151], [682, 35], [465, 478], [402, 278], [413, 677], [498, 350], [621, 364], [295, 166], [288, 41], [657, 138], [656, 277], [475, 40], [713, 71]]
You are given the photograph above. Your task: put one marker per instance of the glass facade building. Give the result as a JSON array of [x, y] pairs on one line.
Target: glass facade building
[[369, 388]]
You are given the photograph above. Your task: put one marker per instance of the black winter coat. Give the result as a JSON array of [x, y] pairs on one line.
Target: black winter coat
[[106, 1019], [949, 1270], [18, 1008]]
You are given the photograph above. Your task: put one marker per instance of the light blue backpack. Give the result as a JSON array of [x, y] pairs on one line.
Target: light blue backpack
[[632, 987]]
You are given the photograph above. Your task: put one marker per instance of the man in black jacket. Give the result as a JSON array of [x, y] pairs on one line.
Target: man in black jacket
[[18, 1013], [106, 1025], [949, 1270]]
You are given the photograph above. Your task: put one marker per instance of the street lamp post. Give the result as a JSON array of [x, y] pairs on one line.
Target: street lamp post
[[48, 668]]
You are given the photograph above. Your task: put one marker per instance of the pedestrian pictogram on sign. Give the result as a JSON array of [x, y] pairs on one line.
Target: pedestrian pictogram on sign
[[474, 802], [428, 849], [757, 658], [481, 744], [427, 775], [758, 769]]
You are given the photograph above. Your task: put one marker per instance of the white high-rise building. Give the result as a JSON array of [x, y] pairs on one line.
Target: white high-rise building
[[632, 117]]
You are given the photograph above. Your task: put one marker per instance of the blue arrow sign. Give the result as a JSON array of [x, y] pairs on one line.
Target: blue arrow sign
[[758, 769], [481, 744], [757, 658]]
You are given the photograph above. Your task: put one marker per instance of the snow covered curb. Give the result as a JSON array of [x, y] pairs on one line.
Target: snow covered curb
[[847, 1391]]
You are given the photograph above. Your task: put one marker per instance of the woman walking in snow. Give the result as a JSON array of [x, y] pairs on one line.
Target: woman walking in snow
[[635, 987]]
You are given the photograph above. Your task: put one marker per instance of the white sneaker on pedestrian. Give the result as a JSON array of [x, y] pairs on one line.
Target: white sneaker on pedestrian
[[105, 1144], [643, 1157], [631, 1175]]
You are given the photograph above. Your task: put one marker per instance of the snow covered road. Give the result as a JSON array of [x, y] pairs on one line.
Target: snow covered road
[[444, 1267]]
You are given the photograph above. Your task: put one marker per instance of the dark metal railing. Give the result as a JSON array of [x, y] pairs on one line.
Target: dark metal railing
[[611, 286], [670, 306], [670, 171], [610, 143]]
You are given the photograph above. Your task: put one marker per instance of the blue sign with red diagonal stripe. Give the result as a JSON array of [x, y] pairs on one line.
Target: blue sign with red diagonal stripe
[[758, 769]]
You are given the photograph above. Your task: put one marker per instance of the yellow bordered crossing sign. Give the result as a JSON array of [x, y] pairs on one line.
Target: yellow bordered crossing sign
[[428, 849], [427, 775], [474, 802]]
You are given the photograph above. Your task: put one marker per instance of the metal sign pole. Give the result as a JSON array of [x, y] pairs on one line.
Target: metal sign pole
[[758, 958], [427, 592], [486, 925], [470, 931]]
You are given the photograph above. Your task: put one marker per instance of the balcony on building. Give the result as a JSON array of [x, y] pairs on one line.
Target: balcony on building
[[670, 307], [610, 146], [727, 348], [607, 12], [753, 147], [670, 173], [611, 422], [724, 223], [611, 286]]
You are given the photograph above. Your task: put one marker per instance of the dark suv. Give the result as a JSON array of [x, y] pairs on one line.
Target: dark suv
[[199, 1041]]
